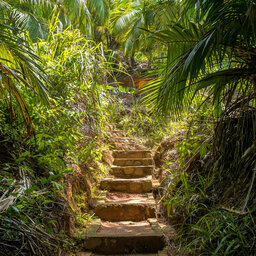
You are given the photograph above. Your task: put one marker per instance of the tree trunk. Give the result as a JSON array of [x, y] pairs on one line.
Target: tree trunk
[[158, 49], [132, 60]]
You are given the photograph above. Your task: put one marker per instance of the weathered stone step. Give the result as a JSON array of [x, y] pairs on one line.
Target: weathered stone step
[[139, 185], [131, 171], [125, 207], [132, 154], [128, 146], [123, 140], [124, 237], [160, 253], [124, 144], [133, 162], [118, 133], [93, 254]]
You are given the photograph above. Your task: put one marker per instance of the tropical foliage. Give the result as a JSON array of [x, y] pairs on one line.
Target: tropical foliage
[[130, 22], [59, 95], [19, 66], [210, 53], [34, 15], [33, 168]]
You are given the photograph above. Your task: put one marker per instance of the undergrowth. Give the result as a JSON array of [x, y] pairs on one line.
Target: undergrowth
[[129, 115], [211, 213], [197, 193], [48, 176], [35, 171]]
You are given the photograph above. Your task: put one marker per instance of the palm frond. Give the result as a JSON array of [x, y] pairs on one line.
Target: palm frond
[[19, 66], [210, 55], [81, 14], [99, 9]]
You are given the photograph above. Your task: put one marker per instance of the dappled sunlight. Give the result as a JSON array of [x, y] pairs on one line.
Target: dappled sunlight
[[127, 127]]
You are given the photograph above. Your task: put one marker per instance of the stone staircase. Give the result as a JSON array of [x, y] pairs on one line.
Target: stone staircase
[[126, 211]]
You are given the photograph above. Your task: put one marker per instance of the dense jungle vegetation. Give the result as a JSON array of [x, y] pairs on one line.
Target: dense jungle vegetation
[[64, 67]]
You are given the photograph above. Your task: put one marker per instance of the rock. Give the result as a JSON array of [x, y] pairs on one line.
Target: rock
[[126, 209], [135, 187], [129, 170]]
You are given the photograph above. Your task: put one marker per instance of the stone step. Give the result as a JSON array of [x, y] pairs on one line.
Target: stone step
[[132, 154], [163, 252], [160, 253], [139, 185], [131, 171], [125, 144], [133, 162], [123, 140], [125, 207], [93, 254], [124, 237], [118, 133], [128, 146]]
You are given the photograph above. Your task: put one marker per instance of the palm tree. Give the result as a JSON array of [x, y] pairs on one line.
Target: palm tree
[[130, 21], [35, 15], [213, 51], [18, 67], [29, 15]]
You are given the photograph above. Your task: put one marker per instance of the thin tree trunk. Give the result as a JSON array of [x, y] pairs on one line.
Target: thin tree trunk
[[158, 49], [132, 59], [250, 189]]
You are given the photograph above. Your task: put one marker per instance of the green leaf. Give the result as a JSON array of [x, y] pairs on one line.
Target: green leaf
[[18, 160], [24, 154], [15, 208], [46, 202], [203, 150], [19, 206], [121, 89], [48, 229], [43, 181]]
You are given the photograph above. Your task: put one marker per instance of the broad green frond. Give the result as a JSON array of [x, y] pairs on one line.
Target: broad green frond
[[213, 57], [19, 66], [81, 14], [99, 9]]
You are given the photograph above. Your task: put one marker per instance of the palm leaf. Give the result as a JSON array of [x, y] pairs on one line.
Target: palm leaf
[[19, 66], [212, 54]]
